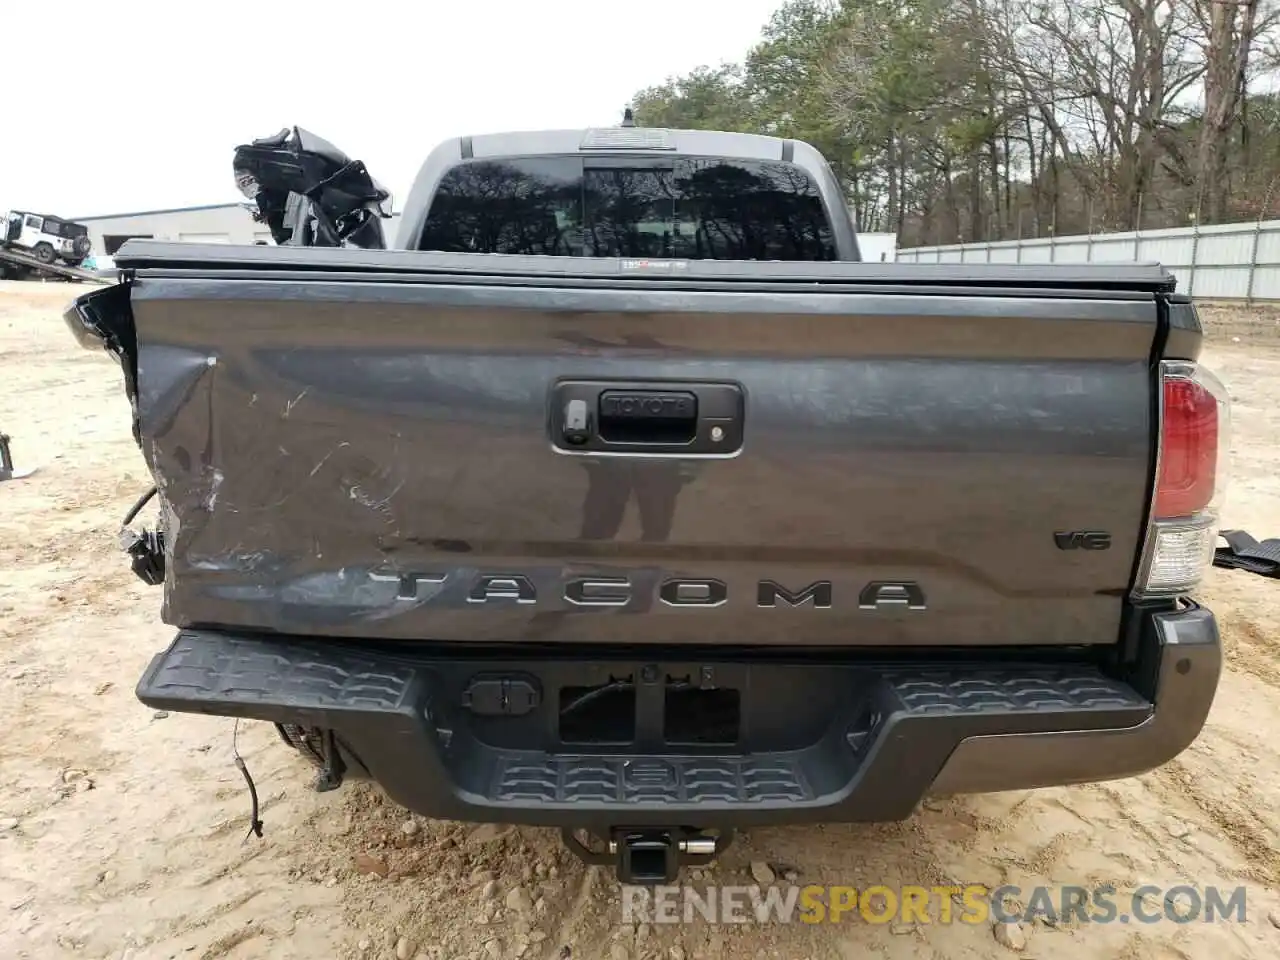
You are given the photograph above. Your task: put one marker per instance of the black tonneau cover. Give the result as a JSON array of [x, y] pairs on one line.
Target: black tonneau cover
[[159, 258]]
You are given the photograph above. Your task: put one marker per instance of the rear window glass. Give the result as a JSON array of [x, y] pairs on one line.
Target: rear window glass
[[700, 209], [63, 229]]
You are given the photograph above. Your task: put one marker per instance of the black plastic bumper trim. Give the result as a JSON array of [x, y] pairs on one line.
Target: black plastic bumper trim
[[1190, 663], [895, 734]]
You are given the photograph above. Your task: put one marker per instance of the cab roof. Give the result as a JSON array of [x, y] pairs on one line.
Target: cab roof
[[626, 140]]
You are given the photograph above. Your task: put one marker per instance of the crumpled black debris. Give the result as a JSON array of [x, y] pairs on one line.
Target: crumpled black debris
[[1243, 552]]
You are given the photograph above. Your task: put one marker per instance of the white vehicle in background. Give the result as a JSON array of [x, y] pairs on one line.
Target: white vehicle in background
[[45, 238]]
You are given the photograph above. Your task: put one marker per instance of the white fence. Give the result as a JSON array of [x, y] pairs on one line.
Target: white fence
[[1230, 261], [877, 247]]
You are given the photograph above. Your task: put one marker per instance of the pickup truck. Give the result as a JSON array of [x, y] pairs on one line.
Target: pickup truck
[[617, 495]]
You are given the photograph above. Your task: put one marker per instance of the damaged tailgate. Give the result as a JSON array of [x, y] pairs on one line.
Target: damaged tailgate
[[381, 445]]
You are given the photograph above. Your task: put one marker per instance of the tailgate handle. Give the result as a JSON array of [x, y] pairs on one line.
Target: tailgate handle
[[648, 416], [647, 419]]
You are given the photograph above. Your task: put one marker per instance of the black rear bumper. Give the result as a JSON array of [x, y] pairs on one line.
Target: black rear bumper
[[480, 737]]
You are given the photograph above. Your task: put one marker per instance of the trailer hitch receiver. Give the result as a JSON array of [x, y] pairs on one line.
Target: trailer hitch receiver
[[650, 856]]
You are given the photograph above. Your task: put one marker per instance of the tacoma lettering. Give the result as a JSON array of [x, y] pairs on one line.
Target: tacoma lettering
[[499, 587], [598, 592], [769, 593], [694, 593], [881, 594], [488, 588]]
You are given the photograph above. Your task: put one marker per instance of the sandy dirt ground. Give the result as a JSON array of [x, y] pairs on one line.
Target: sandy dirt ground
[[122, 831]]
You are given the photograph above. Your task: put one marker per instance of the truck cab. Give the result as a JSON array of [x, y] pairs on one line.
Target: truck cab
[[630, 192]]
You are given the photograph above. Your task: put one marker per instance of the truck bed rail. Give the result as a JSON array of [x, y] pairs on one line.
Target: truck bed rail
[[174, 259]]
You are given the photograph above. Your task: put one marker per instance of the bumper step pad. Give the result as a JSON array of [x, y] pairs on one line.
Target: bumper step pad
[[873, 757]]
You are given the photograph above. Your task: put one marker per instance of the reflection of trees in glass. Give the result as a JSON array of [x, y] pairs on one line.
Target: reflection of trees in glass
[[630, 213], [521, 207], [751, 211], [709, 209]]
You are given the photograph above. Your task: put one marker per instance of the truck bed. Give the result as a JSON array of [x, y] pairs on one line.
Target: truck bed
[[661, 549]]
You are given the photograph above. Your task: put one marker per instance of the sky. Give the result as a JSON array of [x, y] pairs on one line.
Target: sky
[[148, 100]]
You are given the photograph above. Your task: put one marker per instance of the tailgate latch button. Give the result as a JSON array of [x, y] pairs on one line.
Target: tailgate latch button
[[577, 422]]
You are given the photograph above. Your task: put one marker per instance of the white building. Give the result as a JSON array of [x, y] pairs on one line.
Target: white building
[[214, 223]]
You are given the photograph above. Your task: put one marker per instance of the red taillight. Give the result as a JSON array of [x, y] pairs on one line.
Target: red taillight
[[1195, 426], [1188, 450]]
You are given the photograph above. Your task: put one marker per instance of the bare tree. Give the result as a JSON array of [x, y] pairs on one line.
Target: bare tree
[[1231, 29], [1104, 76], [954, 120]]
